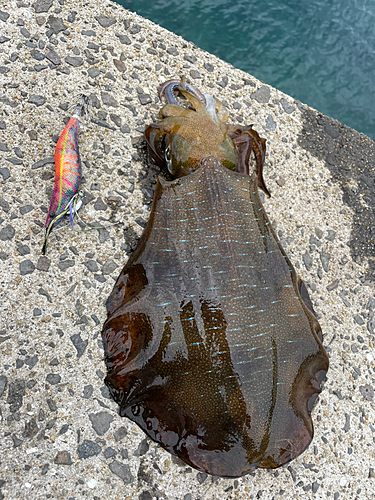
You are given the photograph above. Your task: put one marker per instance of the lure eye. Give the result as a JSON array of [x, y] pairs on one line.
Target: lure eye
[[52, 214], [168, 158]]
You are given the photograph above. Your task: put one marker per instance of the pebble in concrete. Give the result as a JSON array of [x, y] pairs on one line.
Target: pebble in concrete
[[63, 458], [79, 344], [7, 233], [122, 471], [101, 422], [88, 449]]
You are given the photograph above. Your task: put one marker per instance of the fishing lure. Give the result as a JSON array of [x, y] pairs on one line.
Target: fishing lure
[[66, 196]]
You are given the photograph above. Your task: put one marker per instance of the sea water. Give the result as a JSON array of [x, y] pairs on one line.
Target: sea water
[[321, 52]]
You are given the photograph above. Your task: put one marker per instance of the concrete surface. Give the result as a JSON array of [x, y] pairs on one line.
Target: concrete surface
[[61, 436]]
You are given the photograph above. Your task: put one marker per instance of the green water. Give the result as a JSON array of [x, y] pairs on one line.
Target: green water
[[320, 52]]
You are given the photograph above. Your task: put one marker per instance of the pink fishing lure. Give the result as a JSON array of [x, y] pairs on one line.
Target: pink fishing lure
[[68, 172]]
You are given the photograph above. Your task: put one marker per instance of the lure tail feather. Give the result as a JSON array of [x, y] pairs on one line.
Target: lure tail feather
[[73, 206]]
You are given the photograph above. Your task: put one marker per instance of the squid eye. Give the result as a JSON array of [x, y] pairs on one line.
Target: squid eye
[[52, 214], [136, 410], [168, 158]]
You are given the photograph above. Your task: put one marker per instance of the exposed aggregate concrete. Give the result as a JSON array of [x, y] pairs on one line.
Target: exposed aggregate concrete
[[61, 436]]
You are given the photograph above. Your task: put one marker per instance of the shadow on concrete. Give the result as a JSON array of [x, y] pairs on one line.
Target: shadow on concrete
[[350, 157]]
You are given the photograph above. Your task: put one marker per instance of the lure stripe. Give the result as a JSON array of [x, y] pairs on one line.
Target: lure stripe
[[62, 167]]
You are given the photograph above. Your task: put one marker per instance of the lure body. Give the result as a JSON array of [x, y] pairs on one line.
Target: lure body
[[68, 171]]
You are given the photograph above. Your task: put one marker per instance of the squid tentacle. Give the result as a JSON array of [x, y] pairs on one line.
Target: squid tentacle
[[184, 85], [259, 147], [255, 144], [168, 88]]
